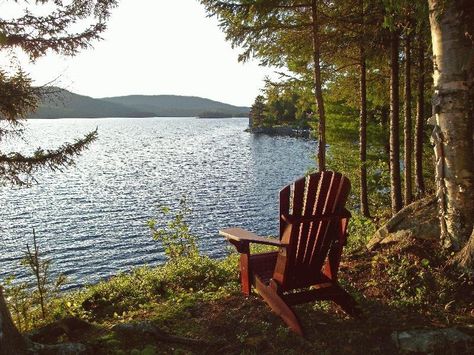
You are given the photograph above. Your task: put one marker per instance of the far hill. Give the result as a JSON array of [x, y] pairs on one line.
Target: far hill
[[179, 106], [65, 104]]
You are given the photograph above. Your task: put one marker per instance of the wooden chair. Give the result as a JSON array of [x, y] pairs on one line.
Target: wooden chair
[[313, 231]]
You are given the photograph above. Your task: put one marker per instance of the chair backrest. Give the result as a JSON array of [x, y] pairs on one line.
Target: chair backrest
[[310, 227]]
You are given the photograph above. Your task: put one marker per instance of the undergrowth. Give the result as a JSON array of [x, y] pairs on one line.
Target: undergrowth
[[196, 297]]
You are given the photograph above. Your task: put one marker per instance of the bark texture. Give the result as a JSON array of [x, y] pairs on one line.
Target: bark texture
[[408, 141], [395, 183], [420, 116], [11, 341], [452, 28], [318, 87], [364, 203]]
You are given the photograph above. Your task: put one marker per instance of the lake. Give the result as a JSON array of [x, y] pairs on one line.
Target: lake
[[91, 219]]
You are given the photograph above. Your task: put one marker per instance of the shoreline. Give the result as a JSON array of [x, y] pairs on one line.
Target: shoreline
[[286, 131]]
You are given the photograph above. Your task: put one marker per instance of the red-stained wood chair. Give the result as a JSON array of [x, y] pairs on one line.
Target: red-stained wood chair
[[313, 231]]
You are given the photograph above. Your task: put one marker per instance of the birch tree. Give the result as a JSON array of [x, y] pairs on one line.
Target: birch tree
[[452, 32]]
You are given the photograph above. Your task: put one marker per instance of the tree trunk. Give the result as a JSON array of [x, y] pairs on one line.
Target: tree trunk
[[318, 88], [452, 30], [420, 116], [11, 341], [364, 203], [407, 128], [465, 258], [384, 120], [395, 185]]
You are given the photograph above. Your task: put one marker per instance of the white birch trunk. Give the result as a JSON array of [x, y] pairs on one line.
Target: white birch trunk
[[452, 24]]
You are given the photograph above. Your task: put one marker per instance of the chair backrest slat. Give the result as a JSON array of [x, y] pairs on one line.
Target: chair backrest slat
[[297, 210], [329, 229], [311, 191], [324, 182], [318, 194], [284, 206]]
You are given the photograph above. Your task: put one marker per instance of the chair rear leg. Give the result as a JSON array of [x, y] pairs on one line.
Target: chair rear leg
[[279, 306], [346, 302]]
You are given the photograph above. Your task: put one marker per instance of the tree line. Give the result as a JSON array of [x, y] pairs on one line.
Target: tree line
[[375, 59]]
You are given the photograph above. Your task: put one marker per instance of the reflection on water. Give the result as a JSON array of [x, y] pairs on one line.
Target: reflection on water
[[91, 219]]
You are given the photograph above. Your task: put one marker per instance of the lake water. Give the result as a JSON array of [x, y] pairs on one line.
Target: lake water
[[91, 219]]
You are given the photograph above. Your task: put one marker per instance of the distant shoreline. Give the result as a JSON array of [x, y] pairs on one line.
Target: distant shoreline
[[286, 131], [134, 117], [66, 104]]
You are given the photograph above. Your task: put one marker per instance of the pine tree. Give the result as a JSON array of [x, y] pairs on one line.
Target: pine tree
[[280, 33], [257, 112], [36, 36]]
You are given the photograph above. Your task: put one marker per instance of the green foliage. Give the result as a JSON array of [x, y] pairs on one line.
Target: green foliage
[[186, 272], [414, 278], [199, 298], [55, 28], [360, 229], [283, 103], [257, 112], [145, 287], [173, 232], [343, 155], [31, 301], [20, 301]]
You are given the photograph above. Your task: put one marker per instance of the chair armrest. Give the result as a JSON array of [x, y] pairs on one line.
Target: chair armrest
[[240, 235]]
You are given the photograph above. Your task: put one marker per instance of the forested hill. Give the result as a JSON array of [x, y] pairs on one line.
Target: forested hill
[[173, 105], [65, 104]]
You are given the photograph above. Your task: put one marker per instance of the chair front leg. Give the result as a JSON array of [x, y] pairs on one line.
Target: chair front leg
[[244, 249], [245, 273]]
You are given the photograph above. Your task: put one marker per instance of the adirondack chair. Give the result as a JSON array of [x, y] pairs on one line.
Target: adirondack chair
[[313, 231]]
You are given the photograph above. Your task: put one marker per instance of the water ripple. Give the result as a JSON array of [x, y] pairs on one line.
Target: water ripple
[[91, 219]]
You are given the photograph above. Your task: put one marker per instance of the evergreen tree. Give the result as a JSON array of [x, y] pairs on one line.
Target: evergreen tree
[[35, 35], [280, 33], [257, 112]]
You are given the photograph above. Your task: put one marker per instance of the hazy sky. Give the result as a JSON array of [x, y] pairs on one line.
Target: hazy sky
[[158, 47]]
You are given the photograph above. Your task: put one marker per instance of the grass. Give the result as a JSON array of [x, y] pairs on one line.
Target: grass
[[198, 297]]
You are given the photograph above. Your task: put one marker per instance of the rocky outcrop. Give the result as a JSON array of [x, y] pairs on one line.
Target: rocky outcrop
[[281, 131], [418, 220]]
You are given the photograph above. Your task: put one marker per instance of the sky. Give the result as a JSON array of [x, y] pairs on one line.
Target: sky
[[156, 47]]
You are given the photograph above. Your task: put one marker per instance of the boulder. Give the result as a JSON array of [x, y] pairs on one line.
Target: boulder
[[72, 327], [417, 220], [434, 341]]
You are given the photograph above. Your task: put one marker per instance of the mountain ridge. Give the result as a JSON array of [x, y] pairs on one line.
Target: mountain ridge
[[65, 104]]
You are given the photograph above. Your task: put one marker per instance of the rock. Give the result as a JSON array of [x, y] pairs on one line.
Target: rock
[[418, 220], [437, 341], [147, 328], [59, 349], [71, 326], [281, 131]]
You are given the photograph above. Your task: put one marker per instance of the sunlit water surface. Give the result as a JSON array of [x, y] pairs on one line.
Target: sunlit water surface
[[91, 219]]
